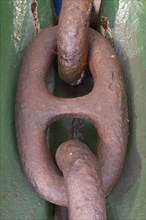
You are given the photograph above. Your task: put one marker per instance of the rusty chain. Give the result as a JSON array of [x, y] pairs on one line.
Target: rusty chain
[[105, 106], [72, 38]]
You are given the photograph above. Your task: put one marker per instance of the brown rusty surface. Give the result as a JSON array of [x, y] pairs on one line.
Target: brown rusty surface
[[105, 106], [72, 39], [81, 171], [34, 10], [95, 15]]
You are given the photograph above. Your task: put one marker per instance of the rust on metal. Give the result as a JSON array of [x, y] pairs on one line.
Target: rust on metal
[[34, 7], [72, 39], [82, 177], [105, 29], [105, 106]]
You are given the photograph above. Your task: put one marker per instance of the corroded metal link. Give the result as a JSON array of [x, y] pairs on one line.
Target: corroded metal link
[[36, 108], [81, 171], [72, 39]]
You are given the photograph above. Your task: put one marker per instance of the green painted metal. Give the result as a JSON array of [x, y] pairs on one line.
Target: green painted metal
[[18, 199], [127, 21], [128, 199]]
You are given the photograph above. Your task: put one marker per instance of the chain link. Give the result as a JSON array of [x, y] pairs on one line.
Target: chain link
[[86, 178]]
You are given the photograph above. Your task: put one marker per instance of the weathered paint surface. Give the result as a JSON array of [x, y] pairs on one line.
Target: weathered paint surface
[[127, 21], [127, 201], [18, 199]]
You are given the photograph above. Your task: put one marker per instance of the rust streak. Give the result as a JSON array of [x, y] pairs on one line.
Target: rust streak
[[34, 7]]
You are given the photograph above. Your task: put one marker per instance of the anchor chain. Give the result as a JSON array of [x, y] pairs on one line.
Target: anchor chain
[[81, 169], [105, 106], [73, 37]]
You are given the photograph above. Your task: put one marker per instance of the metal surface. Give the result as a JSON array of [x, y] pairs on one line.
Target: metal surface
[[127, 20], [18, 199], [81, 168], [72, 39], [105, 106]]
